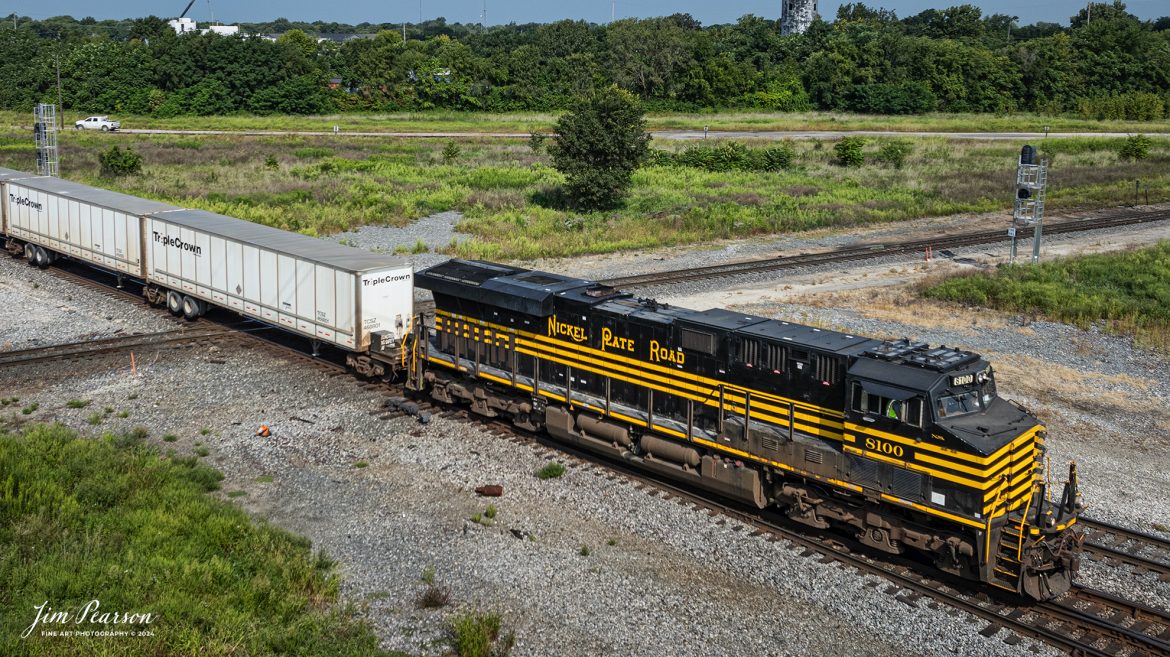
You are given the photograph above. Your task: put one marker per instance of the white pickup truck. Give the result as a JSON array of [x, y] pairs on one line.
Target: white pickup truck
[[102, 123]]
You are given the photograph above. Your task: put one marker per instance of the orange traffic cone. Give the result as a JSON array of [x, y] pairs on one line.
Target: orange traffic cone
[[263, 431]]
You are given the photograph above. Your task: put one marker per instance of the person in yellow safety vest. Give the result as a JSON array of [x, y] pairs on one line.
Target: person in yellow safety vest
[[894, 409]]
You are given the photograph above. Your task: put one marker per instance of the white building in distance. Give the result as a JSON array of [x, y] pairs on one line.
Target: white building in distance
[[796, 16], [188, 25]]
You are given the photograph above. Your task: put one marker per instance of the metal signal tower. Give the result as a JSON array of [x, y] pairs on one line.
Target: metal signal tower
[[45, 135], [1031, 181]]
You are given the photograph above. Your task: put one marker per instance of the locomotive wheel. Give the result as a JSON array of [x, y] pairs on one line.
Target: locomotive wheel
[[192, 308], [1046, 586], [174, 302]]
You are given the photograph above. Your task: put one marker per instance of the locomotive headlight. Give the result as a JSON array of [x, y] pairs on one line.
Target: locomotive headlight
[[981, 377]]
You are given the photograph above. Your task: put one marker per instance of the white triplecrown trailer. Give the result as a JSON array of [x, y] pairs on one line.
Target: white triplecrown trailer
[[93, 225], [331, 293], [5, 176]]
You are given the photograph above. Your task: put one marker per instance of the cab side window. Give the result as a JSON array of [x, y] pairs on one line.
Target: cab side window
[[911, 411], [869, 403], [908, 411]]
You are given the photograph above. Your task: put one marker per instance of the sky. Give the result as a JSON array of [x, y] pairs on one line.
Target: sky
[[527, 11]]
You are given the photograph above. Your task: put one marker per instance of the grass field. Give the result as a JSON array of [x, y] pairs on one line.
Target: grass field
[[111, 520], [1127, 293], [440, 121], [507, 191]]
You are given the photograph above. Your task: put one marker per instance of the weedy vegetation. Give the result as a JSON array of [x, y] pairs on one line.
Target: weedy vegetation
[[479, 634], [1126, 293], [514, 206], [550, 470], [80, 515], [434, 595]]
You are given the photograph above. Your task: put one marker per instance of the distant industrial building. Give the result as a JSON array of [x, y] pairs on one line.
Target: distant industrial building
[[186, 25], [796, 16]]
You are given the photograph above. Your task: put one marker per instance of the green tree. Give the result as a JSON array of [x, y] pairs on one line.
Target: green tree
[[1135, 147], [120, 162], [601, 142], [301, 42], [849, 151], [300, 95], [151, 27], [648, 56]]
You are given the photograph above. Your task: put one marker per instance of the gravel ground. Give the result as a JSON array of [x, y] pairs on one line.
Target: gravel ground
[[657, 573], [436, 231], [61, 304]]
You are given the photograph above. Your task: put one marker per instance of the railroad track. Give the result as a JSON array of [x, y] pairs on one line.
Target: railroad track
[[88, 348], [876, 250], [1142, 551], [1083, 622], [1111, 624]]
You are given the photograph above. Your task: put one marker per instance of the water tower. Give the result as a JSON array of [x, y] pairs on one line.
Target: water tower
[[796, 16]]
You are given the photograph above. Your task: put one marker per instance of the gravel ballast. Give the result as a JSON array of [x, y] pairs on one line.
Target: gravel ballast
[[38, 309]]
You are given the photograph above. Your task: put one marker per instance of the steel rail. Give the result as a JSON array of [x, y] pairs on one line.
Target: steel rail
[[1134, 542], [88, 348], [869, 250]]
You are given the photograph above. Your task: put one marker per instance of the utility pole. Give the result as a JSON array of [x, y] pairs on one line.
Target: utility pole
[[59, 103], [612, 10], [420, 12], [483, 16], [403, 31]]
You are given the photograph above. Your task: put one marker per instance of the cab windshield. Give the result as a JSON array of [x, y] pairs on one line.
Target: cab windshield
[[960, 404]]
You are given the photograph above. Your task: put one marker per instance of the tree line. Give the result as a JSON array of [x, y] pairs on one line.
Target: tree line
[[1106, 63]]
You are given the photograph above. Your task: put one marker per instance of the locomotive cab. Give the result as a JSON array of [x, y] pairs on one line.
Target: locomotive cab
[[936, 412]]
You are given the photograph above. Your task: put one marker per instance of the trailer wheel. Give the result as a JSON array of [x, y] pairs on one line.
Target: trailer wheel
[[193, 308], [41, 257], [174, 302], [30, 254]]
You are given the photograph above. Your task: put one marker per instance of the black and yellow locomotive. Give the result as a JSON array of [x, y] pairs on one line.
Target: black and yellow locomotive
[[907, 446]]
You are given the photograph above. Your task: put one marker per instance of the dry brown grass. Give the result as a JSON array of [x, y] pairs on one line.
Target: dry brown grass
[[902, 304], [1086, 391], [496, 199]]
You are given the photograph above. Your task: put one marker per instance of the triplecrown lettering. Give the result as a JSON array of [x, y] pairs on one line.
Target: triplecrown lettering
[[25, 201], [178, 243], [369, 282]]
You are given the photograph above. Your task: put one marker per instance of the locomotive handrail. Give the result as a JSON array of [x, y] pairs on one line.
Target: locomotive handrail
[[1023, 522]]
